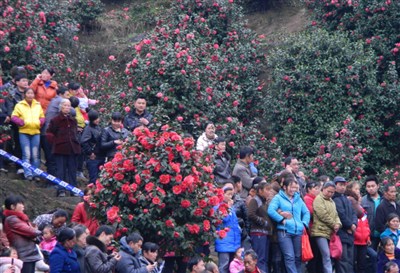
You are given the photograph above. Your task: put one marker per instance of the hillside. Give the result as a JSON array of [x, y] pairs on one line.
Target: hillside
[[277, 21]]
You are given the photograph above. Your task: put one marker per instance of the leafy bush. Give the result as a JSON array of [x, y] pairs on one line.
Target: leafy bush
[[85, 12], [30, 32], [161, 186], [320, 79], [339, 155]]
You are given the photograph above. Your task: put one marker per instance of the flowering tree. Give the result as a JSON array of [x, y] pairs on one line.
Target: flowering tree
[[341, 155], [159, 185]]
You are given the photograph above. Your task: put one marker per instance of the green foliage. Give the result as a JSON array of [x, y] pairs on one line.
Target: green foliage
[[85, 12], [30, 32], [320, 79]]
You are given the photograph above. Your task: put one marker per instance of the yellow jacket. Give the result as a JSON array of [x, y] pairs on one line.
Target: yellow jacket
[[31, 116], [79, 118]]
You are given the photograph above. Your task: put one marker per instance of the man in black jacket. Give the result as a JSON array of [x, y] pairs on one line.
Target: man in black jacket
[[388, 205], [139, 116], [349, 221]]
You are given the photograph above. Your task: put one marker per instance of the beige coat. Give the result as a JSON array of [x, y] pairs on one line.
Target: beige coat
[[325, 217]]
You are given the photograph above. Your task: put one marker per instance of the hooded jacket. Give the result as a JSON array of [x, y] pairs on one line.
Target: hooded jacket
[[129, 262], [29, 118], [231, 242], [325, 217], [298, 209]]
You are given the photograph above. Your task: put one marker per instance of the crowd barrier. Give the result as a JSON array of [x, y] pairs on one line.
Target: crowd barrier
[[41, 173]]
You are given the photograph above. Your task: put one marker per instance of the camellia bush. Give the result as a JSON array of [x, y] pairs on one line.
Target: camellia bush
[[159, 185], [201, 63], [30, 32], [340, 155], [321, 79]]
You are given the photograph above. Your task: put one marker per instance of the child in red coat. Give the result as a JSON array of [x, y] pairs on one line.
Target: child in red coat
[[361, 241]]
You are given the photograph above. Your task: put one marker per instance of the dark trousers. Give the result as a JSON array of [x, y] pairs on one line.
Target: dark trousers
[[93, 168], [169, 266], [346, 263], [48, 156], [16, 148], [66, 169], [28, 267], [360, 255], [260, 245]]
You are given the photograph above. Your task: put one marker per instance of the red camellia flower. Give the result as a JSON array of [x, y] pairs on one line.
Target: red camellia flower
[[165, 179], [130, 217], [169, 223], [202, 203], [112, 213], [149, 186], [198, 212], [185, 204], [213, 201], [126, 188], [176, 234], [206, 225], [156, 200], [138, 179], [221, 234], [177, 189], [193, 229], [119, 176]]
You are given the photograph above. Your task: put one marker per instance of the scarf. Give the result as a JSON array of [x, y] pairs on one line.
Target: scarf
[[20, 215]]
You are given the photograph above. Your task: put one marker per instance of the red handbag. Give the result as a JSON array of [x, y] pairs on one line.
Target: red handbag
[[335, 246], [306, 251]]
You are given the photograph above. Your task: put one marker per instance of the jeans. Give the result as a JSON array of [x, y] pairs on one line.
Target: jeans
[[260, 245], [345, 264], [291, 249], [371, 264], [315, 265], [323, 245], [93, 168], [30, 145], [224, 259], [276, 263], [66, 169]]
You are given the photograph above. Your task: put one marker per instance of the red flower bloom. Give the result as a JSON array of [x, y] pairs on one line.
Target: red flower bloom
[[134, 187], [119, 176], [206, 225], [126, 188], [112, 214], [138, 179], [178, 178], [213, 201], [149, 186], [176, 234], [185, 204], [198, 212], [169, 223], [177, 189], [156, 201], [165, 179], [221, 234], [202, 203], [193, 229]]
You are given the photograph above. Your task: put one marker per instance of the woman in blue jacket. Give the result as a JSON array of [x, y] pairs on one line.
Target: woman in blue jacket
[[227, 246], [292, 216], [63, 258]]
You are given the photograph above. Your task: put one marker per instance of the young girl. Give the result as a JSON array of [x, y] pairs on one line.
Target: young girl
[[49, 240], [84, 103], [9, 261], [237, 264], [392, 229], [28, 115]]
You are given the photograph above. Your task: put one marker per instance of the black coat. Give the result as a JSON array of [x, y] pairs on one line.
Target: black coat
[[222, 170], [107, 145], [90, 140], [347, 217], [382, 212]]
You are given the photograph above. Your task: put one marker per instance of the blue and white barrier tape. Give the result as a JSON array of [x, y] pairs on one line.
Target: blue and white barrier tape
[[41, 173]]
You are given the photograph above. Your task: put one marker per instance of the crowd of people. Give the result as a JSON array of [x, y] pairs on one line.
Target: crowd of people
[[265, 224]]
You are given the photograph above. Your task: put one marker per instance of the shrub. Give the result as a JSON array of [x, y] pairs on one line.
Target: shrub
[[159, 185], [320, 79], [339, 155], [85, 12]]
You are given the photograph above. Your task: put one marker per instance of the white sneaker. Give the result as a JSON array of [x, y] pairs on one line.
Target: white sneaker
[[20, 171]]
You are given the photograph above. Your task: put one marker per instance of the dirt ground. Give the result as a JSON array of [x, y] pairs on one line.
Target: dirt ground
[[272, 23]]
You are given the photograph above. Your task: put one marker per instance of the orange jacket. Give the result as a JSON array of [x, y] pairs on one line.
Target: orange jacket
[[43, 94]]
